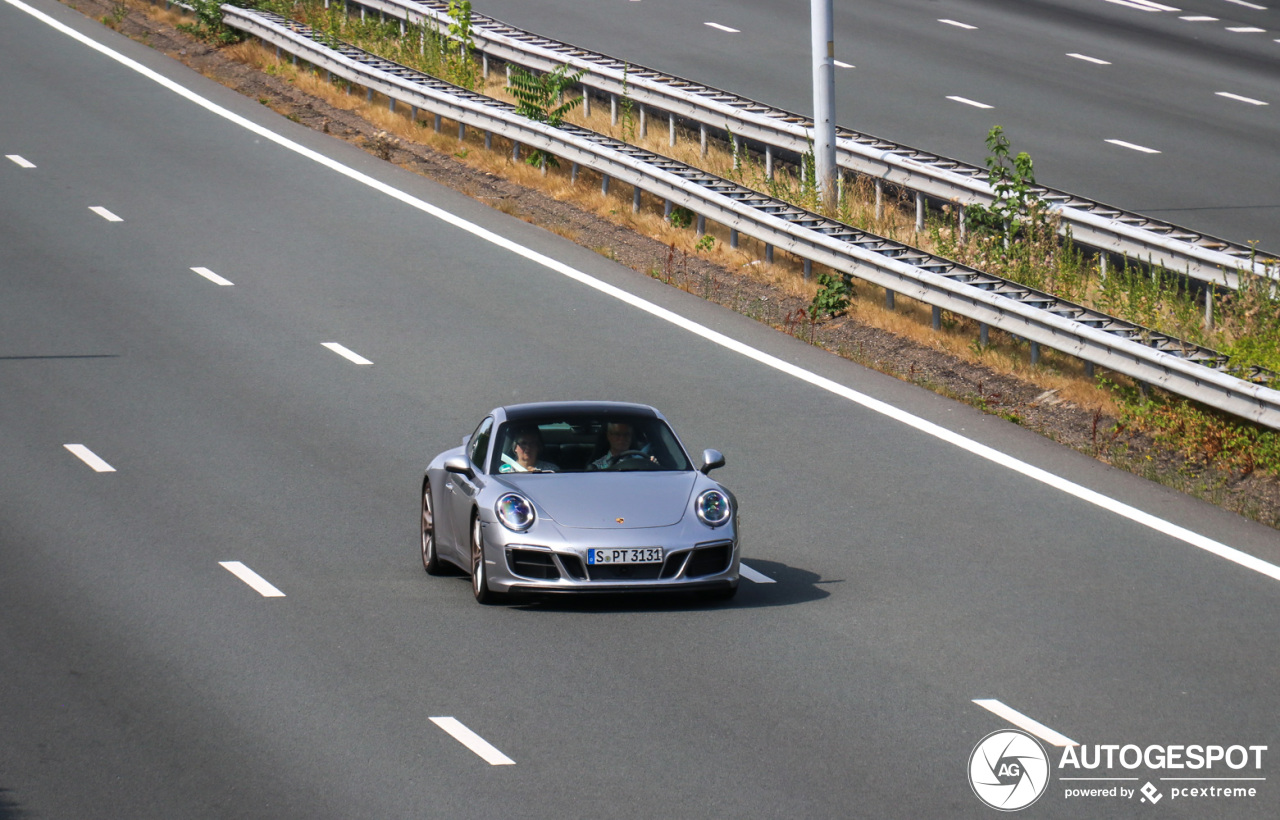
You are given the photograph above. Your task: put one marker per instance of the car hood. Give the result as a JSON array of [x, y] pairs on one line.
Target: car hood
[[608, 500]]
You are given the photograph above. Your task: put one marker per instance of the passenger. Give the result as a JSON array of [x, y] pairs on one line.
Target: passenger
[[527, 445], [620, 436]]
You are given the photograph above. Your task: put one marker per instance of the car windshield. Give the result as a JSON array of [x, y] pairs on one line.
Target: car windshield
[[607, 443]]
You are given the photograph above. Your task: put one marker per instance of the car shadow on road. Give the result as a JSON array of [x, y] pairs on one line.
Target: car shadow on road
[[9, 809], [790, 586]]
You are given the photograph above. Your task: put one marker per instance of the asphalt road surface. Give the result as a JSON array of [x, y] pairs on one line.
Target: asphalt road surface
[[1168, 109], [918, 577]]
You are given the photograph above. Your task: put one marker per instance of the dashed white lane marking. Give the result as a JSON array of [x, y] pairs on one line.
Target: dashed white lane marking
[[1088, 59], [844, 65], [1025, 723], [1197, 18], [1130, 145], [253, 579], [1248, 5], [212, 277], [968, 101], [20, 161], [1071, 488], [958, 24], [346, 354], [89, 457], [473, 741], [105, 214], [1246, 29], [754, 575], [1143, 5], [1238, 98], [723, 28]]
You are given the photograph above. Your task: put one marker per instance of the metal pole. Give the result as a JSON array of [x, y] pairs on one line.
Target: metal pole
[[824, 100]]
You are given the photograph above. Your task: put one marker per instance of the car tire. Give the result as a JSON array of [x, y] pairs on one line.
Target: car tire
[[430, 554], [479, 575]]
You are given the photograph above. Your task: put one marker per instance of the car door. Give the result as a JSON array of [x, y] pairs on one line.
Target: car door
[[462, 491]]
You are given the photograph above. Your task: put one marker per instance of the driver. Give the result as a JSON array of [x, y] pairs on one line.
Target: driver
[[620, 436], [527, 445]]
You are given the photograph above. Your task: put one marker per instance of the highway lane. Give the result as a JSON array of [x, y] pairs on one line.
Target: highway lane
[[1158, 85], [912, 577]]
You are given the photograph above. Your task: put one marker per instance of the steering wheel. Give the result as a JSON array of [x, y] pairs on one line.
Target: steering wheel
[[634, 460]]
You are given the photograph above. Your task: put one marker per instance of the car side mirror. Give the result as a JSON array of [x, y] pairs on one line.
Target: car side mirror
[[711, 459], [459, 465]]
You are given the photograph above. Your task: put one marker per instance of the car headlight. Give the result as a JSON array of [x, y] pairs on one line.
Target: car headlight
[[515, 512], [713, 508]]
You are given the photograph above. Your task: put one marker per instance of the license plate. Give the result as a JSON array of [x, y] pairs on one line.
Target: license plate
[[630, 555]]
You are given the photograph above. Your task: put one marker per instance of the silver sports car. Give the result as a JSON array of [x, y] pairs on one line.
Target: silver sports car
[[579, 497]]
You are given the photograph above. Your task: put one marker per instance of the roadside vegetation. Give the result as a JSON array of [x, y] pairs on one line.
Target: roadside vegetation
[[1016, 238]]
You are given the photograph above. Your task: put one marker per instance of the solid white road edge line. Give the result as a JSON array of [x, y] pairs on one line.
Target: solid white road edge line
[[253, 579], [724, 28], [1088, 59], [958, 24], [89, 457], [754, 575], [473, 741], [1025, 723], [20, 161], [345, 353], [875, 405], [212, 277], [105, 214]]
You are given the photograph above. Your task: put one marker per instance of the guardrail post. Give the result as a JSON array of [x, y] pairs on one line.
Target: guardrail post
[[919, 212], [573, 174], [1035, 353], [368, 94], [613, 109], [808, 270], [515, 151], [1102, 265], [768, 162], [413, 113], [644, 123], [635, 200], [666, 211], [462, 130], [879, 199], [604, 184], [391, 104], [963, 229], [544, 164], [1208, 306], [937, 318], [768, 253], [702, 225], [1088, 369], [888, 299], [484, 64], [671, 130], [437, 123], [702, 132], [984, 334], [488, 140], [733, 237], [586, 101]]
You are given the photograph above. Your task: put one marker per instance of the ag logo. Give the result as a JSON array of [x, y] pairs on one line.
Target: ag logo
[[1008, 770]]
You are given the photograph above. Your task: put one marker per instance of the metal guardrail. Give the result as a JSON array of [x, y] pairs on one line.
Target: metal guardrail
[[1094, 224], [1179, 367]]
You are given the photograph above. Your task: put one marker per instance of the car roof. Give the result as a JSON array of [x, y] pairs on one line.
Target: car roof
[[523, 412]]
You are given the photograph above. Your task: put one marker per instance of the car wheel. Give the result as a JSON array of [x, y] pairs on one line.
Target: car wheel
[[479, 575], [430, 558]]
